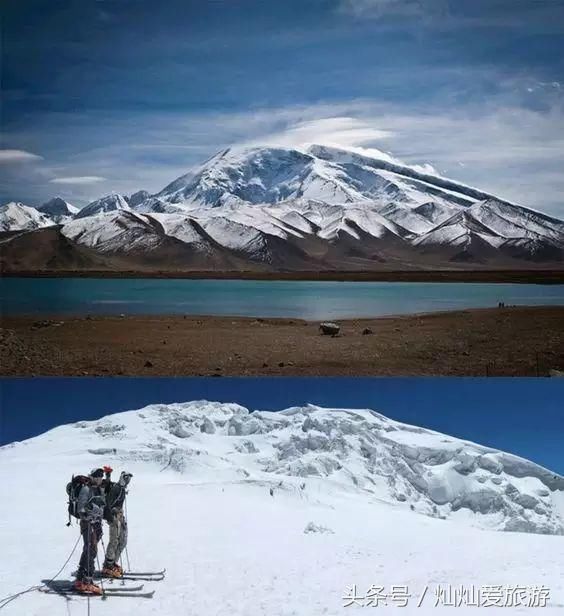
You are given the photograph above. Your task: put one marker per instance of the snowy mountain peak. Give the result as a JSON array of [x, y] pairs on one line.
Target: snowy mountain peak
[[58, 209], [359, 454], [269, 175], [112, 231], [324, 207], [15, 216], [109, 203], [251, 175], [138, 197]]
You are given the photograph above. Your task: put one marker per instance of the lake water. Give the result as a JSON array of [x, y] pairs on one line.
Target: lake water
[[297, 299]]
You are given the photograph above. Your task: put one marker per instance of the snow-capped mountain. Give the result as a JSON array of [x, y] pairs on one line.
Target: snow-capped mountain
[[270, 175], [128, 235], [109, 203], [253, 510], [326, 208], [19, 217], [513, 222], [58, 210], [138, 197], [113, 231]]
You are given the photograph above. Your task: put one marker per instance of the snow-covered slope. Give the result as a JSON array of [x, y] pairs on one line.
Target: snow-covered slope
[[19, 217], [263, 512], [512, 221], [58, 209], [456, 231], [109, 203], [112, 231], [356, 453], [269, 175], [328, 208], [158, 241], [341, 196], [137, 197]]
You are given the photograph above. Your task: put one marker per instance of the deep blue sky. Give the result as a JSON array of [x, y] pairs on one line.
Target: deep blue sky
[[117, 95], [522, 416]]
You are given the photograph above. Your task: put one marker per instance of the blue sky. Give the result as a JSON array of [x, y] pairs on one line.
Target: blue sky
[[118, 95], [522, 416]]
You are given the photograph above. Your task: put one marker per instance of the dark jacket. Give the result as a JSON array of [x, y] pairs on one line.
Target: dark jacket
[[115, 496]]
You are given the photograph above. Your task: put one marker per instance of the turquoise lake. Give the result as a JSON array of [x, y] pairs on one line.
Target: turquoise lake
[[296, 299]]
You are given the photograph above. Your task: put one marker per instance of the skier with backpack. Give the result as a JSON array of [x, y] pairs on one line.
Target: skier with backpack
[[114, 516], [87, 502]]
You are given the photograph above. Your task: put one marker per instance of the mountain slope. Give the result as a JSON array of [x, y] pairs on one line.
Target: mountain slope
[[58, 210], [317, 208], [517, 222], [270, 175], [109, 203], [145, 240], [463, 237], [19, 217], [47, 249], [253, 511]]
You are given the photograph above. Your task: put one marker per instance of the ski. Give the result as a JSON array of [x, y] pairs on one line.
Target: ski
[[161, 572], [145, 578], [117, 593], [65, 585]]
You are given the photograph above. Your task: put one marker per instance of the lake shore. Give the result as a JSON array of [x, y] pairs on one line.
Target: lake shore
[[511, 341], [532, 276]]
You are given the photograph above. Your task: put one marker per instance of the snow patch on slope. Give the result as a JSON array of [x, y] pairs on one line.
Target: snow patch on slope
[[113, 231], [109, 203], [59, 210], [16, 216]]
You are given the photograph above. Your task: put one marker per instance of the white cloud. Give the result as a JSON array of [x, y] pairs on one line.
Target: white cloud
[[499, 145], [380, 8], [79, 179], [340, 132], [18, 156], [514, 152]]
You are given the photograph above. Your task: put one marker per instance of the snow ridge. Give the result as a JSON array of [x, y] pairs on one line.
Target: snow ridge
[[320, 203], [354, 453], [15, 216]]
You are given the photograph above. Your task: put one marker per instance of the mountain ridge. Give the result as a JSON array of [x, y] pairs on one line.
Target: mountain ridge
[[350, 451], [337, 208]]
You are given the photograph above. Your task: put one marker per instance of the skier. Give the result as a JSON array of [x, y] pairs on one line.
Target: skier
[[90, 507], [113, 514]]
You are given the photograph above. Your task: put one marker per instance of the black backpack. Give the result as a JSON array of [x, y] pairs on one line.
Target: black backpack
[[73, 489]]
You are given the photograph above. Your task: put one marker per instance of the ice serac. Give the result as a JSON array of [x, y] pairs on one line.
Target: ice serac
[[15, 216], [355, 454], [280, 513], [59, 210], [109, 203]]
